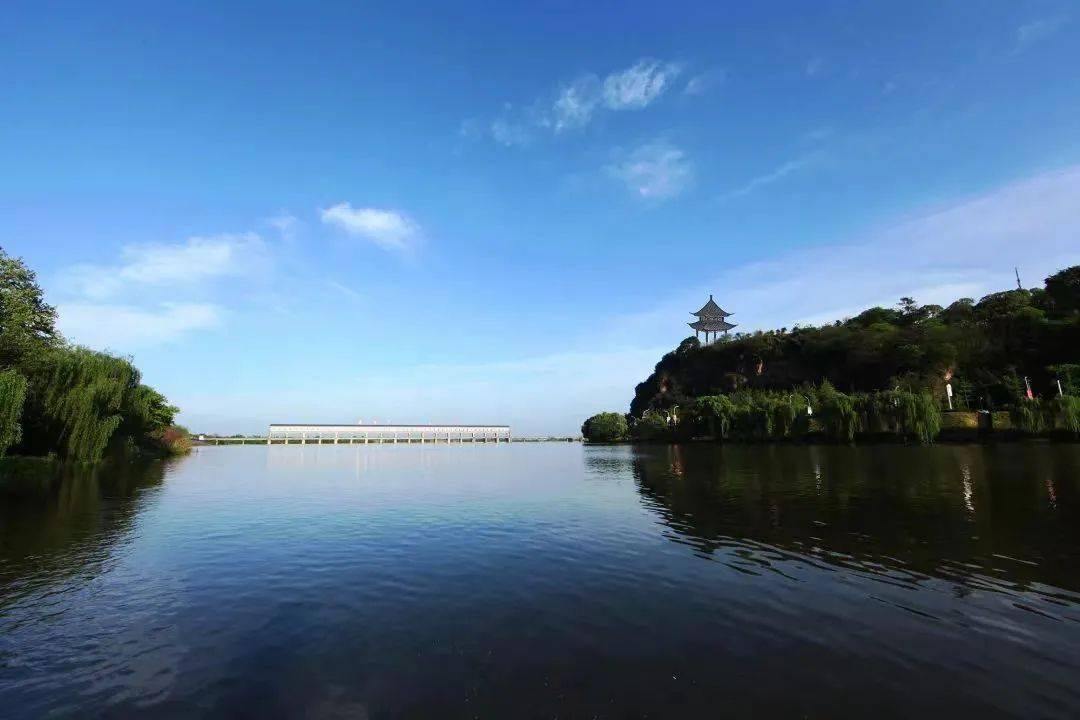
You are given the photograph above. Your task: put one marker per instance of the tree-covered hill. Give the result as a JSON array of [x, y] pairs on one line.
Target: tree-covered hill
[[985, 349]]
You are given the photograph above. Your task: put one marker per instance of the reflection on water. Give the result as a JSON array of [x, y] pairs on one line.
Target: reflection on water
[[59, 519], [1000, 518], [544, 581]]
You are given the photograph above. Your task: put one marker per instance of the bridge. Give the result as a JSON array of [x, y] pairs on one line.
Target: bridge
[[303, 434]]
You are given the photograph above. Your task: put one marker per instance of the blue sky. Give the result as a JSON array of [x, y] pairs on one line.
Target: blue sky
[[485, 212]]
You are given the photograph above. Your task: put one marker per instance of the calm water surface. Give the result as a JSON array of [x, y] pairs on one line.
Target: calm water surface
[[546, 581]]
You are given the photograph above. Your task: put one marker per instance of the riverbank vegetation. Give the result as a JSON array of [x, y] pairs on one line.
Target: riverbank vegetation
[[64, 400], [884, 372]]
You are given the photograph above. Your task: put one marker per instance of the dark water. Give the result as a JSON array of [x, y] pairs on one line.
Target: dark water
[[547, 581]]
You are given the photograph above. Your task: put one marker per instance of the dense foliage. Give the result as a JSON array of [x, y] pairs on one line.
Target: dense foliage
[[12, 395], [605, 427], [882, 372], [751, 415], [60, 399], [985, 349]]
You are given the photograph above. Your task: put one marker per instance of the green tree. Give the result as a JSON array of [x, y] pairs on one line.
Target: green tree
[[653, 426], [717, 412], [605, 427], [27, 322], [12, 395], [1063, 289]]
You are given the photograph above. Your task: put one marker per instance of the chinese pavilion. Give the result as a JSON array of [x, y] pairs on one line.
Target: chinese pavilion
[[711, 318]]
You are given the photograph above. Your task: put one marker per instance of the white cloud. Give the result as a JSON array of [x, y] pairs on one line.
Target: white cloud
[[776, 175], [967, 249], [125, 328], [654, 171], [700, 84], [575, 104], [167, 265], [1030, 33], [639, 85], [387, 229]]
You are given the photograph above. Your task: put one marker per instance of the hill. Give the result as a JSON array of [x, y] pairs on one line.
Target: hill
[[985, 349]]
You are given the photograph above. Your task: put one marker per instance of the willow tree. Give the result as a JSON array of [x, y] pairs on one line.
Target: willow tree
[[12, 396], [82, 399]]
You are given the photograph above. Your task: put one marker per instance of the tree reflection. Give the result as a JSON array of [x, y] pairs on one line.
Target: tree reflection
[[965, 513], [59, 520]]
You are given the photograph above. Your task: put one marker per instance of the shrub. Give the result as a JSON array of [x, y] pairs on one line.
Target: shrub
[[1029, 416], [174, 440], [652, 426], [1067, 407]]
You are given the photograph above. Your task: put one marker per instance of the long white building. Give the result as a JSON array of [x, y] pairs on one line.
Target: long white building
[[289, 433]]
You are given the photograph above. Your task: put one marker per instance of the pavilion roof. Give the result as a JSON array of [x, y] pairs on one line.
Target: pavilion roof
[[711, 325], [711, 310]]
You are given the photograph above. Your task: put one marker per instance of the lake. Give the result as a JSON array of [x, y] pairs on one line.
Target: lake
[[546, 580]]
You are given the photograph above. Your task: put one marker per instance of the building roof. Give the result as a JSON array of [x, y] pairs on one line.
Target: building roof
[[711, 325], [711, 310]]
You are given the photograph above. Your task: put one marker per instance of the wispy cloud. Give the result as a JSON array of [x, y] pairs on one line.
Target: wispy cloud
[[1035, 31], [286, 225], [965, 248], [702, 83], [509, 133], [387, 229], [166, 265], [639, 85], [124, 327], [788, 168], [576, 102], [814, 66], [514, 389], [344, 290], [653, 171]]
